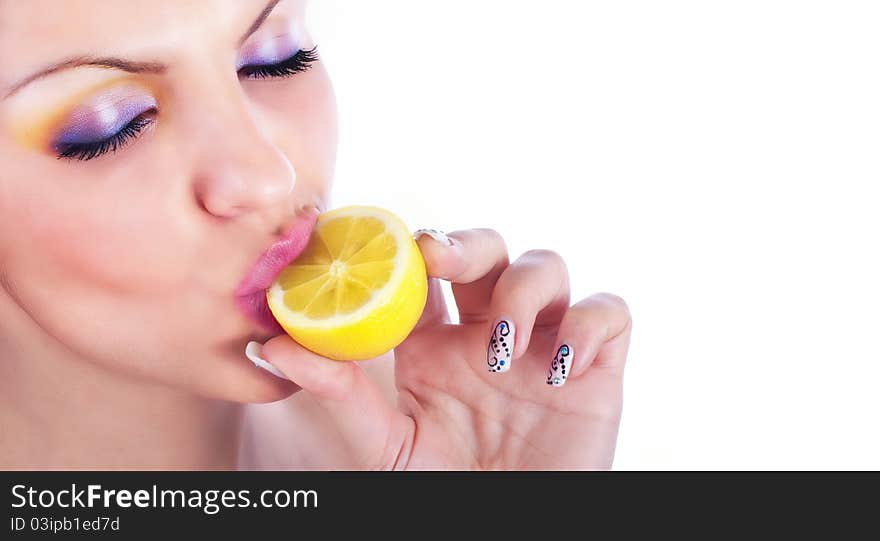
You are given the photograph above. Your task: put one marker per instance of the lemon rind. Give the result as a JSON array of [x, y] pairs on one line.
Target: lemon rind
[[397, 229]]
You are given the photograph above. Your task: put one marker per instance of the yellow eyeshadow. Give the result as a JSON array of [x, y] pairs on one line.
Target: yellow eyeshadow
[[35, 127]]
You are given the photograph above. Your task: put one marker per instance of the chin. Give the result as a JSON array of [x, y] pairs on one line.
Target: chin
[[235, 379], [269, 389]]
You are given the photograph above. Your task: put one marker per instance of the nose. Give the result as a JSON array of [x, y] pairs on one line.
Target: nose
[[236, 185], [241, 170]]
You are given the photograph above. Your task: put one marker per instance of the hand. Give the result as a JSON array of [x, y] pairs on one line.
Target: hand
[[524, 381]]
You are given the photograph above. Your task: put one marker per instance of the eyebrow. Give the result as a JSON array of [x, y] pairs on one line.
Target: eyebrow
[[104, 62], [260, 20], [121, 63]]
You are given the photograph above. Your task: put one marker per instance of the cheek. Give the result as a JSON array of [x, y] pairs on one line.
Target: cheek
[[96, 259], [93, 228], [109, 251], [301, 113]]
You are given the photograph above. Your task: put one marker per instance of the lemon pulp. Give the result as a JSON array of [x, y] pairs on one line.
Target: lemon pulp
[[358, 288]]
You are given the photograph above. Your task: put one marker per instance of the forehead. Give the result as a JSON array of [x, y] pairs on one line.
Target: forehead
[[34, 33]]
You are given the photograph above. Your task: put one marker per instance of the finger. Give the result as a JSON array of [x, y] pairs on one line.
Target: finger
[[472, 259], [436, 311], [533, 290], [593, 332], [374, 431]]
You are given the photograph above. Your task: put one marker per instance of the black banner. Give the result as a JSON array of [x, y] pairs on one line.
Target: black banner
[[128, 505]]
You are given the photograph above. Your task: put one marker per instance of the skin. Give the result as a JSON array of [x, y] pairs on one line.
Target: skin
[[120, 344]]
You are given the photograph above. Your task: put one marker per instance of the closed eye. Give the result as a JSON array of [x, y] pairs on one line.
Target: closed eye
[[93, 149], [298, 63]]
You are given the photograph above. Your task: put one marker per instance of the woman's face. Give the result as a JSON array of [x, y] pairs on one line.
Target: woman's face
[[136, 195]]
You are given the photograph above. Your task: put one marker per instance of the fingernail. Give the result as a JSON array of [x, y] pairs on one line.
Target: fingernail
[[560, 366], [500, 347], [253, 351], [435, 234], [311, 209]]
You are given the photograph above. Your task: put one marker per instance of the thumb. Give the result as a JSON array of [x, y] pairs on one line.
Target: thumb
[[378, 435]]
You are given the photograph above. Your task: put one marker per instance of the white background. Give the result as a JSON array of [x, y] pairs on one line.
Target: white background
[[715, 163]]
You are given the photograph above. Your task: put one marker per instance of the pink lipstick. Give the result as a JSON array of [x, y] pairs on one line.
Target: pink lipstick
[[250, 295]]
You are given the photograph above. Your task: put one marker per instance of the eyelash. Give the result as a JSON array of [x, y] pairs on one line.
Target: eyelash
[[300, 62], [88, 151]]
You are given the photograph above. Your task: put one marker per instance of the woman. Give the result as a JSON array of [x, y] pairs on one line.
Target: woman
[[152, 151]]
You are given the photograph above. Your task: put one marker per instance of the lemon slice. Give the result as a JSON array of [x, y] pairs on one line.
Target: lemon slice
[[358, 288]]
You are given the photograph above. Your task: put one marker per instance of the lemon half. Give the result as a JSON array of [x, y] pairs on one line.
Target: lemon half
[[358, 288]]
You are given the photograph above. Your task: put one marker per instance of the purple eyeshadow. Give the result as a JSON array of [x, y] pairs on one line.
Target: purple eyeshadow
[[103, 119], [269, 51]]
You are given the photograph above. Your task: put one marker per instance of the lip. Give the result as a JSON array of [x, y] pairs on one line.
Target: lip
[[250, 295]]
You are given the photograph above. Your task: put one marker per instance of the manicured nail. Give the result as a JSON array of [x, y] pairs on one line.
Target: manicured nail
[[435, 234], [560, 366], [500, 347], [253, 351]]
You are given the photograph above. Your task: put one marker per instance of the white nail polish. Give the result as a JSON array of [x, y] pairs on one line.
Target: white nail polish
[[252, 352], [500, 348], [560, 366], [435, 234]]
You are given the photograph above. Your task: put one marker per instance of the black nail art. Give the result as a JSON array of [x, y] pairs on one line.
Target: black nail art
[[560, 366], [500, 347]]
